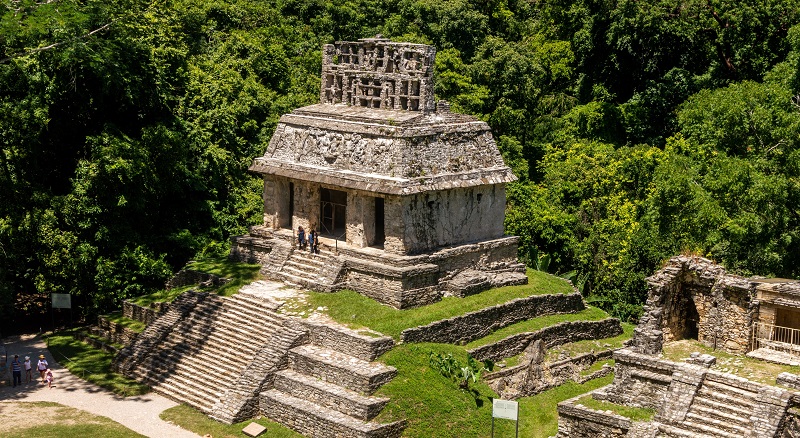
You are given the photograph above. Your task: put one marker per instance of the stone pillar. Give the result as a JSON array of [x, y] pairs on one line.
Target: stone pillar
[[395, 227], [360, 210], [306, 205], [276, 202]]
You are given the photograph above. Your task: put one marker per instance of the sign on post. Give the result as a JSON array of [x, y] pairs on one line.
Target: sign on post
[[507, 410], [61, 301]]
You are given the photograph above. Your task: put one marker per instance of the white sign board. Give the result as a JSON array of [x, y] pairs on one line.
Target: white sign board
[[505, 409], [61, 301]]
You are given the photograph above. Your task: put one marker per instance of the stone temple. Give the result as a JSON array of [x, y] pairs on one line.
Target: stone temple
[[700, 396], [408, 197]]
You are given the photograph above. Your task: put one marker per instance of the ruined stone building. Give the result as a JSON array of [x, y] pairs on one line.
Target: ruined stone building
[[694, 298], [408, 197]]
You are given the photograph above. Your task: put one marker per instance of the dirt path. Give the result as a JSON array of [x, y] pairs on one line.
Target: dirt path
[[138, 413]]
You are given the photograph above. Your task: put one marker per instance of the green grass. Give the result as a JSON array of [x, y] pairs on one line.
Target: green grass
[[91, 364], [597, 366], [435, 406], [126, 322], [46, 420], [635, 414], [195, 421], [752, 369], [532, 325], [162, 296], [239, 273], [355, 310]]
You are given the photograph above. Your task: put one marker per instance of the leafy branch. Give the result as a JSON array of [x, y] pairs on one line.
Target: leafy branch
[[457, 371]]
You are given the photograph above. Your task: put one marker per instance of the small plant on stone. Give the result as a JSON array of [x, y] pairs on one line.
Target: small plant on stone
[[457, 371]]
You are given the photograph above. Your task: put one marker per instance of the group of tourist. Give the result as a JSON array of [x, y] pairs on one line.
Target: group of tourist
[[45, 373], [313, 240]]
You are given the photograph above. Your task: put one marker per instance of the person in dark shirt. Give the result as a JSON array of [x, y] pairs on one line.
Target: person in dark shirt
[[16, 370]]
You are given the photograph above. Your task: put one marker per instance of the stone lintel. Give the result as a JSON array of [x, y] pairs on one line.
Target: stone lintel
[[379, 183]]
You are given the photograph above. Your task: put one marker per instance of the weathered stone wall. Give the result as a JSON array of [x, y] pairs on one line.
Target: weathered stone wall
[[116, 333], [693, 297], [639, 380], [378, 73], [452, 217], [250, 249], [578, 421], [561, 333], [318, 425], [533, 375], [339, 338], [475, 325], [187, 277], [143, 314]]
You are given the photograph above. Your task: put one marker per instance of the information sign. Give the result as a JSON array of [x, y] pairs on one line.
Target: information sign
[[506, 409], [61, 301]]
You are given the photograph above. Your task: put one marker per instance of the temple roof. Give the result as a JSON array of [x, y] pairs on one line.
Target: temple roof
[[373, 139]]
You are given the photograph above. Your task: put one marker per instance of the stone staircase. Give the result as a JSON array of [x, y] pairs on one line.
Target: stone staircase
[[201, 355], [302, 268], [326, 389], [719, 409]]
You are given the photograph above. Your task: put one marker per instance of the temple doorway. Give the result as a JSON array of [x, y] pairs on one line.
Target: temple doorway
[[333, 214], [380, 228]]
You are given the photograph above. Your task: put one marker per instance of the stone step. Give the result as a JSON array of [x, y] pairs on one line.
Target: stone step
[[255, 302], [304, 258], [194, 369], [311, 274], [211, 359], [366, 346], [735, 401], [329, 395], [666, 431], [241, 321], [722, 388], [227, 334], [703, 427], [198, 397], [729, 412], [315, 421], [734, 427], [344, 370], [259, 308]]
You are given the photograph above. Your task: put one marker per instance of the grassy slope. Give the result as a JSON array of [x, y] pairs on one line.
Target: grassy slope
[[91, 364], [356, 310], [435, 407], [239, 273]]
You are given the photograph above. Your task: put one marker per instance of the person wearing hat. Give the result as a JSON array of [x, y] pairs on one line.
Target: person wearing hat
[[27, 363], [16, 370], [42, 366]]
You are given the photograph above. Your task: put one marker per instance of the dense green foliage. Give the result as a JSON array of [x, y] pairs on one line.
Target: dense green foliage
[[638, 129]]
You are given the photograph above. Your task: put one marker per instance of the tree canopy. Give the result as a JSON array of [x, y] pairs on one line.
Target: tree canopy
[[638, 130]]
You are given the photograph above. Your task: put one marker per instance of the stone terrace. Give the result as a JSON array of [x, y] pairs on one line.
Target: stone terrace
[[236, 358]]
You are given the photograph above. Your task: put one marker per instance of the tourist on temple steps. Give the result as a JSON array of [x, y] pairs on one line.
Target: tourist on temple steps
[[312, 240], [301, 237]]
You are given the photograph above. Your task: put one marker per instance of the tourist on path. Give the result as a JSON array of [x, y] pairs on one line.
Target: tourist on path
[[301, 238], [16, 370], [28, 367], [48, 377], [42, 366]]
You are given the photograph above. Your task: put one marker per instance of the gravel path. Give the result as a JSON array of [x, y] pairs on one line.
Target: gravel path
[[138, 413]]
